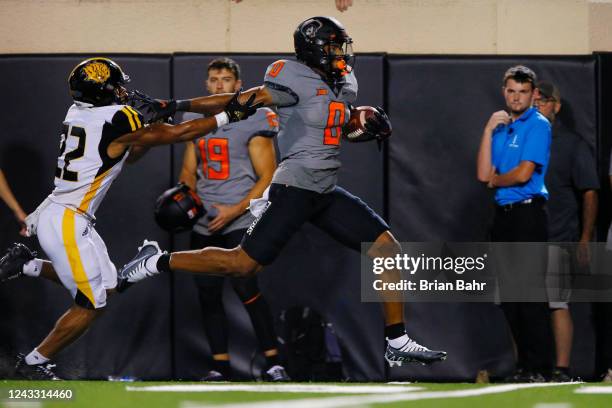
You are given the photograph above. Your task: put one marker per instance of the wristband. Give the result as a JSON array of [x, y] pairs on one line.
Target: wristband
[[183, 105], [222, 119]]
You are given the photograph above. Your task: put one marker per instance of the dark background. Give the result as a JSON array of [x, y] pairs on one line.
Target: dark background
[[423, 182]]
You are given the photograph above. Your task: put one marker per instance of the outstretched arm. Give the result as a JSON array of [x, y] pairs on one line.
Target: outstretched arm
[[214, 104], [161, 134]]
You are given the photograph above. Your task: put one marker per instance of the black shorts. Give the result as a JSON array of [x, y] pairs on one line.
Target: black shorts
[[342, 215]]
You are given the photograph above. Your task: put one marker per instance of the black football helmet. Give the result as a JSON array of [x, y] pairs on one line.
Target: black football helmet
[[178, 209], [98, 81], [322, 43]]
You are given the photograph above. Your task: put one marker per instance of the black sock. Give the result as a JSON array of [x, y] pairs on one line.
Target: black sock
[[263, 323], [395, 330], [163, 263]]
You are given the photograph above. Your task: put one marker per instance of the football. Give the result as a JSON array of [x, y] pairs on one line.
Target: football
[[356, 124]]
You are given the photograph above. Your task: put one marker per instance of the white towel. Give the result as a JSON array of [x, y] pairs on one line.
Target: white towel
[[258, 205]]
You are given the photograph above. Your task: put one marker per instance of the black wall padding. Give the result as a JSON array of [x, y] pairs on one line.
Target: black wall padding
[[133, 337], [313, 270], [439, 106], [604, 99]]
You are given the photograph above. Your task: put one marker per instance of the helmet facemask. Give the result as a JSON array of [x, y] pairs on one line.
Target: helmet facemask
[[339, 58]]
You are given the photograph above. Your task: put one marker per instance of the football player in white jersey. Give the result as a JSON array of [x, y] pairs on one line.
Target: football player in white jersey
[[312, 95], [100, 132]]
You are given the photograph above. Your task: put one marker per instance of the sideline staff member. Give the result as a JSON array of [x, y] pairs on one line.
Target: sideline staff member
[[513, 158]]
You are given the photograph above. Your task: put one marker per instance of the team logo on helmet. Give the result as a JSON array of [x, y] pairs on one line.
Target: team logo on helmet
[[310, 29], [97, 72]]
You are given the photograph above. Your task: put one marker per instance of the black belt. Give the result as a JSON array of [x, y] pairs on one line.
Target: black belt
[[529, 201]]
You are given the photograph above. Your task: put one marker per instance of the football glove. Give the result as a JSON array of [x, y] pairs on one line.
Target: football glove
[[237, 111], [155, 109], [379, 127]]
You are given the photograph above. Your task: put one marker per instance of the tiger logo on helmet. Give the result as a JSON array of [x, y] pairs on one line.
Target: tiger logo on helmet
[[98, 81]]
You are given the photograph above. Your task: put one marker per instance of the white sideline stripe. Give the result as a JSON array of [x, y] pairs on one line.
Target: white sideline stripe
[[553, 405], [338, 402], [594, 390], [21, 404], [297, 388]]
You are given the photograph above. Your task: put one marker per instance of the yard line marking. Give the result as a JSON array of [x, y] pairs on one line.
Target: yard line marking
[[296, 388], [352, 401], [596, 389], [553, 405]]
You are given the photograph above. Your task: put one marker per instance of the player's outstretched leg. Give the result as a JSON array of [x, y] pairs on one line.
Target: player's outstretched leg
[[400, 348], [11, 263], [141, 266], [150, 260]]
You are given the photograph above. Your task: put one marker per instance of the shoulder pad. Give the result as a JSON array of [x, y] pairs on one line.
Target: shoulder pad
[[127, 119]]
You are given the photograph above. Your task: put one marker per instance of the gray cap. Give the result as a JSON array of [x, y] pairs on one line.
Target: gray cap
[[549, 90]]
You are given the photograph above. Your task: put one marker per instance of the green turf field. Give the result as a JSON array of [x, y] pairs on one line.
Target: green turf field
[[94, 394]]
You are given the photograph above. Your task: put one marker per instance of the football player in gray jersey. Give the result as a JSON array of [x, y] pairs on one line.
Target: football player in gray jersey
[[228, 168], [312, 96]]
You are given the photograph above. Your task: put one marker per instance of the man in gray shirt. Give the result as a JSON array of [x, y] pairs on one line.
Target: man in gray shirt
[[572, 183]]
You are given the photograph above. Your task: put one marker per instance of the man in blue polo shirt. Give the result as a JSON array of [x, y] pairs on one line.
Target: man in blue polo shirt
[[513, 159]]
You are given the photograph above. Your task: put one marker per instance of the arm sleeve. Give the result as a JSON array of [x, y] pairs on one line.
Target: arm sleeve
[[281, 95], [281, 80]]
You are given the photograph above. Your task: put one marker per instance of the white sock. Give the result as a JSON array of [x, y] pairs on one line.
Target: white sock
[[151, 263], [35, 358], [33, 267], [399, 341]]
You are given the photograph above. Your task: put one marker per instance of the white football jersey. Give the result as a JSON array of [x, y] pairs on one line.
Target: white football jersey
[[84, 171]]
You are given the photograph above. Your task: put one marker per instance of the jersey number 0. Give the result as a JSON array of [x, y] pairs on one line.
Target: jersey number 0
[[335, 120]]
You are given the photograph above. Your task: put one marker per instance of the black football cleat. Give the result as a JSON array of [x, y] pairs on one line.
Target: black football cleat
[[412, 352], [11, 264], [34, 372], [136, 270]]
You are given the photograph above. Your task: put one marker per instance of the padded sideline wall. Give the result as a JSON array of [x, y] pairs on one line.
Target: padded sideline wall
[[439, 107], [438, 117]]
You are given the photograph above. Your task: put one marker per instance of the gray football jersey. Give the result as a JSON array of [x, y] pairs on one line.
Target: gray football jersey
[[225, 174], [310, 129]]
